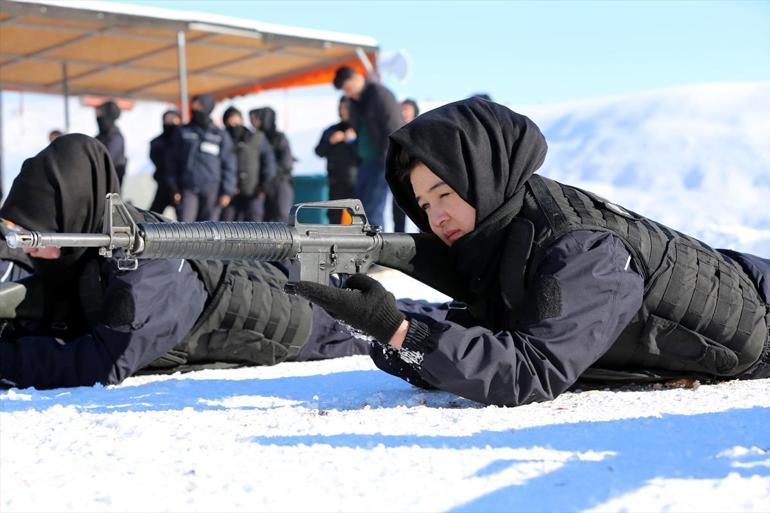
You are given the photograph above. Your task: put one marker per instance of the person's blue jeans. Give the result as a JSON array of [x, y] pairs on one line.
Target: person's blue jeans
[[372, 190]]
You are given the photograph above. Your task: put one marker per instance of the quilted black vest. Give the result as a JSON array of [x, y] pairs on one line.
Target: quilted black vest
[[701, 312]]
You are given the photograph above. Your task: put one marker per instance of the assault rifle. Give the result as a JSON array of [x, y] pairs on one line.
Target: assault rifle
[[314, 251]]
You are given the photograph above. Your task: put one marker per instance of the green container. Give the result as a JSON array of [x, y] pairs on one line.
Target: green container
[[311, 188]]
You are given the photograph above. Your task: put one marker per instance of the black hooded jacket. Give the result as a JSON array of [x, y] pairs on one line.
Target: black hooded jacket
[[111, 137], [278, 140], [101, 325], [254, 154], [572, 303], [113, 322]]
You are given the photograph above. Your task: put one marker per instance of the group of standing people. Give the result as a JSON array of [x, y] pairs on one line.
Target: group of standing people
[[208, 173]]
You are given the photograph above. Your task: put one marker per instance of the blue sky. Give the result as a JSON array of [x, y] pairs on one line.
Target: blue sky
[[540, 52]]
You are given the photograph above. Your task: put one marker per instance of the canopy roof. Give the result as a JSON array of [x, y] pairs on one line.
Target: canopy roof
[[132, 51]]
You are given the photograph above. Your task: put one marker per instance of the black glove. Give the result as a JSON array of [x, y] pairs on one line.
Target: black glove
[[363, 304]]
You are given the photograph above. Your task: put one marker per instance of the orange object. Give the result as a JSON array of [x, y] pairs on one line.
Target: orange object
[[346, 218]]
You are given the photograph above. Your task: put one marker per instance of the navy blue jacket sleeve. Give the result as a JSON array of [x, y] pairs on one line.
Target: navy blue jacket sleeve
[[283, 155], [175, 157], [324, 146], [229, 163], [542, 357], [166, 298], [268, 167]]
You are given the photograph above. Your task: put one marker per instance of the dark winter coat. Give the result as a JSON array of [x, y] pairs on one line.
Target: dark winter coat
[[116, 146], [202, 159], [341, 158], [160, 148], [375, 115], [278, 140], [558, 283], [255, 158]]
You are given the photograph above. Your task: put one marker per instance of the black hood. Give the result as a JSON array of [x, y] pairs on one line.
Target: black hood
[[110, 110], [207, 102], [483, 150], [486, 153], [266, 117], [63, 189], [229, 111]]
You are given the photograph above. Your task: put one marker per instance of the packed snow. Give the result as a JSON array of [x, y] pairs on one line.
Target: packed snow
[[340, 435]]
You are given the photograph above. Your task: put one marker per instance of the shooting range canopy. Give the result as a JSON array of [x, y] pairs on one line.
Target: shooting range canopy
[[132, 51]]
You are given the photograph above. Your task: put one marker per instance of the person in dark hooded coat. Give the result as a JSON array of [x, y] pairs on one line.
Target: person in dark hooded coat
[[338, 146], [110, 136], [279, 192], [202, 166], [97, 324], [256, 168], [552, 283], [159, 150]]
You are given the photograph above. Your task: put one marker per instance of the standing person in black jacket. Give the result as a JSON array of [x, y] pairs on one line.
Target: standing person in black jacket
[[279, 192], [202, 175], [557, 283], [159, 155], [338, 146], [111, 137], [256, 168], [375, 114], [98, 324]]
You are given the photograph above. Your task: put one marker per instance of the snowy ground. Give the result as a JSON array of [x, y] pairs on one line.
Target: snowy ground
[[340, 435]]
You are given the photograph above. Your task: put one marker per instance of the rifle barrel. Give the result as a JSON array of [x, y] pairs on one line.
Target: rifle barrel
[[59, 240], [218, 240]]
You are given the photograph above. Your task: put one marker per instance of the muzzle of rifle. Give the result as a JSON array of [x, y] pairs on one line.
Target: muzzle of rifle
[[34, 239]]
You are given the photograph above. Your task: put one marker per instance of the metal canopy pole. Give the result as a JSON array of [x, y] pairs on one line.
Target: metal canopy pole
[[366, 62], [1, 146], [182, 68], [66, 91]]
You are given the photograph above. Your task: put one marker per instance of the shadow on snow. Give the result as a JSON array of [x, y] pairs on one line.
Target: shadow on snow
[[671, 446]]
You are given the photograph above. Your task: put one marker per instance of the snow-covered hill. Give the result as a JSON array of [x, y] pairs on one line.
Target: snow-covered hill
[[696, 158]]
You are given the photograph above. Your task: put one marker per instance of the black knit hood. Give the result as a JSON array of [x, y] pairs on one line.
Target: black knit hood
[[486, 153], [63, 189], [483, 150], [266, 116]]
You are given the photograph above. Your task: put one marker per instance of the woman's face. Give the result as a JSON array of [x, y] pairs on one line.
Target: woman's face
[[449, 215]]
